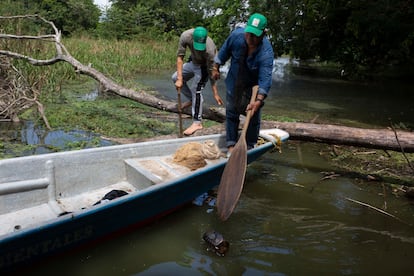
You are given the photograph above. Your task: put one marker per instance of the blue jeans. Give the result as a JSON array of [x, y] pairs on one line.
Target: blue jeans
[[233, 121]]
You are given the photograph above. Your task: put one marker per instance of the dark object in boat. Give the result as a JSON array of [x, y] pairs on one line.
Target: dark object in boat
[[112, 195], [216, 242], [64, 213]]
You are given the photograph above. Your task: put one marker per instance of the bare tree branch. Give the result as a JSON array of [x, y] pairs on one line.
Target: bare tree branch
[[41, 37], [15, 93], [33, 61], [62, 54]]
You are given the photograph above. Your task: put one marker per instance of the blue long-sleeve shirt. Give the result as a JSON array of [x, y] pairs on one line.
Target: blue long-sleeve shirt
[[260, 63]]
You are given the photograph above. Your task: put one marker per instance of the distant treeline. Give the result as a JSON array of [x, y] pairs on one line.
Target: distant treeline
[[359, 34]]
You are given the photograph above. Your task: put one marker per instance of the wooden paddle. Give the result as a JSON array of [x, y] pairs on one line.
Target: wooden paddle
[[232, 180], [180, 119]]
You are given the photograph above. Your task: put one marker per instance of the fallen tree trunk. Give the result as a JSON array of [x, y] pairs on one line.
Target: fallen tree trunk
[[386, 139]]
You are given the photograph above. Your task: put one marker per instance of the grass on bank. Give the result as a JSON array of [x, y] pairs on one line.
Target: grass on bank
[[62, 88], [120, 60], [124, 59], [108, 115]]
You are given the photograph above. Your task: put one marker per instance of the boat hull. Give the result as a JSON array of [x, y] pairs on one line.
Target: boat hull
[[74, 229]]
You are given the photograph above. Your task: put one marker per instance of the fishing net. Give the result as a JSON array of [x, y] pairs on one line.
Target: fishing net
[[193, 155]]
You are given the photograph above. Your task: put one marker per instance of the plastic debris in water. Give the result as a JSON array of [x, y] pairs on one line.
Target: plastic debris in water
[[200, 199], [205, 198]]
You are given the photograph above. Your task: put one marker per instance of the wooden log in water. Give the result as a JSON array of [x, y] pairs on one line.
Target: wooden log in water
[[387, 139]]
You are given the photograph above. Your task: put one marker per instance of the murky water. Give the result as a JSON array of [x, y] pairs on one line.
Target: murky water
[[288, 220], [323, 100]]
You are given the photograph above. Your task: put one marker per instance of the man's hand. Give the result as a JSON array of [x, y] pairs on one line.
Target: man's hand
[[218, 99], [216, 94], [254, 107], [215, 74], [178, 83]]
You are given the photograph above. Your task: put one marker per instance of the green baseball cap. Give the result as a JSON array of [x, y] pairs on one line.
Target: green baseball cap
[[256, 24], [199, 38]]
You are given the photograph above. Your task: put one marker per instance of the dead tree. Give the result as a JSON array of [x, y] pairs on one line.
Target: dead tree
[[106, 84], [16, 95]]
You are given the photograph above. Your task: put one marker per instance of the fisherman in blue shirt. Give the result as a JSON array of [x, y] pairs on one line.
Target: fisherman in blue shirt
[[251, 64]]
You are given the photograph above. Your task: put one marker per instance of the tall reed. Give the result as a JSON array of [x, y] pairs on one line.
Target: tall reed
[[121, 60]]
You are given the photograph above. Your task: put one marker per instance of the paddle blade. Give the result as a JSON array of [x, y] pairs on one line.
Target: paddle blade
[[232, 180]]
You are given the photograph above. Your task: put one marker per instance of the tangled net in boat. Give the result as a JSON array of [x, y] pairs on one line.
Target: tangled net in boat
[[193, 155]]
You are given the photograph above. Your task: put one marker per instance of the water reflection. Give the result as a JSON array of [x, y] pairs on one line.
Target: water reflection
[[40, 140], [91, 96], [279, 69]]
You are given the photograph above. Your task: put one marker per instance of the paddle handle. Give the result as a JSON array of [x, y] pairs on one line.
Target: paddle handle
[[249, 112], [180, 119]]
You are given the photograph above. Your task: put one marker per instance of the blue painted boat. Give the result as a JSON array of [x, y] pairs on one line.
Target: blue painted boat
[[47, 202]]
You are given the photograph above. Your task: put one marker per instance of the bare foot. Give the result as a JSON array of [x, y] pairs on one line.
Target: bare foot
[[192, 129]]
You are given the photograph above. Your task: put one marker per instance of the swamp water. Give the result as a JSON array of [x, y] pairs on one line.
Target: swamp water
[[288, 220]]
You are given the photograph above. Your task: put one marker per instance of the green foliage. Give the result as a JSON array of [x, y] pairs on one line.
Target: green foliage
[[128, 24], [223, 15], [69, 16], [154, 18], [359, 34], [18, 7], [379, 33]]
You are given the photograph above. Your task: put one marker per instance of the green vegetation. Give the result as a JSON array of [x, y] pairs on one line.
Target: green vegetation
[[362, 36], [379, 165], [121, 60], [69, 16], [111, 116], [281, 118], [124, 59]]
